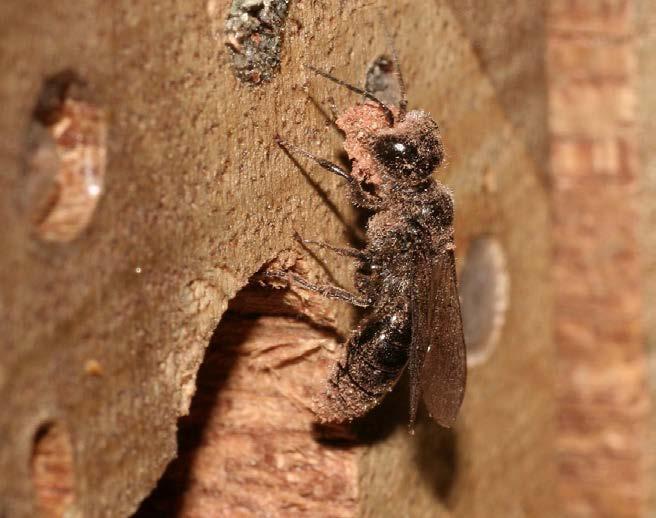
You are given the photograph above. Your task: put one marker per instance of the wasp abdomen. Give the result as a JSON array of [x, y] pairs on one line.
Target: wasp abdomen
[[376, 354]]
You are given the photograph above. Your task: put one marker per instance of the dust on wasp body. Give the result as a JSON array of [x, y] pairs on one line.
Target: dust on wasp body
[[406, 275]]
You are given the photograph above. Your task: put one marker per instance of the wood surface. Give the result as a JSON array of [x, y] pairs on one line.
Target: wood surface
[[107, 336]]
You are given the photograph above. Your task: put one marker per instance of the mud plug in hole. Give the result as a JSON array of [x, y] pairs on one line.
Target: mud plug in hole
[[484, 290]]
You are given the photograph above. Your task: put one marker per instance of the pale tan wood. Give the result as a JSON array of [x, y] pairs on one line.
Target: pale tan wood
[[106, 334]]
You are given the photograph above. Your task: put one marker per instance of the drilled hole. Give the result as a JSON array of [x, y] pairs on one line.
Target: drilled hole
[[484, 289], [66, 160], [248, 443], [53, 474]]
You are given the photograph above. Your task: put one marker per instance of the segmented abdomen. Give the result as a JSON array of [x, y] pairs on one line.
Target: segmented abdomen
[[375, 356]]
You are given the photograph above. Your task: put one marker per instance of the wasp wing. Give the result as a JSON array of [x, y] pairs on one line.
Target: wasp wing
[[438, 364]]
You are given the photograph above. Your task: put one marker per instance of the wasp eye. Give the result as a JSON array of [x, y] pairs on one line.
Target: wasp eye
[[402, 156], [395, 153]]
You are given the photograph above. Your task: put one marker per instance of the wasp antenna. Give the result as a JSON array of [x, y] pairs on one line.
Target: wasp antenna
[[403, 102], [290, 148], [389, 115]]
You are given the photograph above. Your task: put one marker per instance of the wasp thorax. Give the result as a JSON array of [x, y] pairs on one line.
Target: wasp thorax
[[406, 275]]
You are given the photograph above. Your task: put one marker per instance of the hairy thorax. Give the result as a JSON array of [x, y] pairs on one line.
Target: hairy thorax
[[417, 224]]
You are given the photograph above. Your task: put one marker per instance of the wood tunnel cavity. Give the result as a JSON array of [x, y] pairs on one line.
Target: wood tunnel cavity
[[248, 442], [65, 160], [53, 471], [484, 292]]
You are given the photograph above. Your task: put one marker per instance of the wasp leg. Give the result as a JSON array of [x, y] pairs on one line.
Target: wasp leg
[[328, 291], [358, 195], [326, 164], [339, 250], [363, 199]]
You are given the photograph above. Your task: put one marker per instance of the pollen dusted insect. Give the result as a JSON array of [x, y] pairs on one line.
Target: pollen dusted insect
[[406, 273]]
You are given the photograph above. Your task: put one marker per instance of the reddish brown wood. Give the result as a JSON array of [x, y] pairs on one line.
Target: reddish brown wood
[[603, 401], [53, 475]]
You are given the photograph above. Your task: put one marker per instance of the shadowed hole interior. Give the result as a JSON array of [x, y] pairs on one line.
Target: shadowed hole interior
[[238, 449], [65, 160], [53, 473]]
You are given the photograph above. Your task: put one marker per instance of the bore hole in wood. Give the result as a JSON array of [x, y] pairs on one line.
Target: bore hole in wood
[[382, 81], [53, 473], [66, 160], [247, 445], [484, 291]]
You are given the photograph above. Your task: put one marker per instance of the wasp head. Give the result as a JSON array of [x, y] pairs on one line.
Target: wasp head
[[410, 150]]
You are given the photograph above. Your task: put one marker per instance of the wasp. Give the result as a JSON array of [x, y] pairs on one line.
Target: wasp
[[406, 275]]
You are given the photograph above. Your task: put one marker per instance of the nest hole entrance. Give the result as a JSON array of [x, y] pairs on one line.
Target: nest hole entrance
[[484, 291], [65, 161], [251, 413], [53, 470]]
